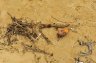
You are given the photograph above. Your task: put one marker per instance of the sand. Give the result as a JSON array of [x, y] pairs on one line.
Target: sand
[[77, 12]]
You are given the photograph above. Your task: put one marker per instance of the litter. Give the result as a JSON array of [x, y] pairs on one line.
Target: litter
[[77, 60], [32, 30], [89, 45]]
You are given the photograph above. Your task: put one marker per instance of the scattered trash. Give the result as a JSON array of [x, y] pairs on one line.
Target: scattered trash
[[77, 60], [89, 45], [62, 32], [32, 30], [84, 60]]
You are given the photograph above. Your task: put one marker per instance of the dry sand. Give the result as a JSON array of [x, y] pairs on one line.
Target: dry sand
[[76, 11]]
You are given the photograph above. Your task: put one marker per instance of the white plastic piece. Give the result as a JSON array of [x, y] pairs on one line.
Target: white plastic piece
[[81, 62]]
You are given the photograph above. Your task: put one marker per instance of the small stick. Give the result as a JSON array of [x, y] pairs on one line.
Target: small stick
[[48, 41], [55, 25], [35, 49]]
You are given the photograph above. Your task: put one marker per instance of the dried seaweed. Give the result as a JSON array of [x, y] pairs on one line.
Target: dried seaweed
[[17, 27], [29, 30]]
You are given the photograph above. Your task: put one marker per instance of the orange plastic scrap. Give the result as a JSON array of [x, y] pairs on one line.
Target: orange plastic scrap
[[62, 32], [66, 30]]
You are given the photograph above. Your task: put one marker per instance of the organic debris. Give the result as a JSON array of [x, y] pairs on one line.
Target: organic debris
[[31, 30], [47, 40], [77, 60], [36, 49], [89, 45], [89, 60], [84, 60], [20, 28]]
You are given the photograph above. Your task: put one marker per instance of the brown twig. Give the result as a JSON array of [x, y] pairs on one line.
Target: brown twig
[[36, 49], [54, 25], [47, 40]]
